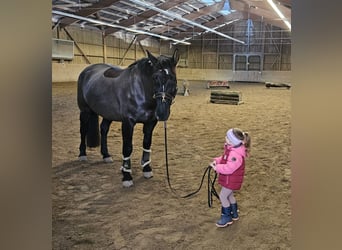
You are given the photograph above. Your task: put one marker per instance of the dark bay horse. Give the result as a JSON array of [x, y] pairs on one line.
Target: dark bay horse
[[141, 93]]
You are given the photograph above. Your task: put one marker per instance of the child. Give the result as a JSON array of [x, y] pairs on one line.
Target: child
[[231, 169]]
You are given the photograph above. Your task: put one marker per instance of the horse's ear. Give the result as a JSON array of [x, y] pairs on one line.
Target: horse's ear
[[152, 58], [175, 56]]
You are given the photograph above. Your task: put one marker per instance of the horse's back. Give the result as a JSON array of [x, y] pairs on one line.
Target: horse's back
[[100, 90], [116, 94], [92, 71], [86, 79]]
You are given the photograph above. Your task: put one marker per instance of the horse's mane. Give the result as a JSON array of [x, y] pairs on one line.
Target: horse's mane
[[162, 59], [145, 65], [141, 63]]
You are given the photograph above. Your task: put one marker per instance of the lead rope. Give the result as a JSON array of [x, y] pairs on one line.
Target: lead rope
[[211, 183]]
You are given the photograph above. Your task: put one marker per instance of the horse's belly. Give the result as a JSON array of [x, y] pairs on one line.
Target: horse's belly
[[107, 107], [109, 112]]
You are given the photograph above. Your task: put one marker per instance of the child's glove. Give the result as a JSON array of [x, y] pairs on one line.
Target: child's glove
[[213, 165]]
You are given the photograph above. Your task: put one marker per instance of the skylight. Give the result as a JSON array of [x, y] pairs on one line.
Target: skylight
[[226, 10]]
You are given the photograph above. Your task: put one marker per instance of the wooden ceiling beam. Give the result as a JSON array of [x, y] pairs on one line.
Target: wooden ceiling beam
[[87, 11]]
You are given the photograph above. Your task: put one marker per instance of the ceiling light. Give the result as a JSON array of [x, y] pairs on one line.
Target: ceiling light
[[280, 14], [217, 27], [117, 26], [208, 2], [179, 17]]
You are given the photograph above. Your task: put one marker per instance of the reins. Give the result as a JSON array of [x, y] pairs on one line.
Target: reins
[[211, 182]]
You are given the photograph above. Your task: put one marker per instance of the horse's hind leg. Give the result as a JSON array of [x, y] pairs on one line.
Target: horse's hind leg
[[84, 119], [89, 130], [105, 124], [127, 148], [146, 156]]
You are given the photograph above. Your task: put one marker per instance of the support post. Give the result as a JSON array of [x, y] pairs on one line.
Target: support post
[[78, 47], [104, 47], [130, 45]]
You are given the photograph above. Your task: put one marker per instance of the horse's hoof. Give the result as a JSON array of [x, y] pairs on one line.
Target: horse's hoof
[[108, 159], [127, 184], [148, 175], [82, 158]]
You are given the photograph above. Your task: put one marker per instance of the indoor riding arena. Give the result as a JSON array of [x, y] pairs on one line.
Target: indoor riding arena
[[233, 71]]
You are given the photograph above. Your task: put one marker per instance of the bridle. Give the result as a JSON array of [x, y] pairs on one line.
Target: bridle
[[162, 94]]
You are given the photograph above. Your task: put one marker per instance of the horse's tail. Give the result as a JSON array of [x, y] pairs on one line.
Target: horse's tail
[[93, 134], [89, 119], [89, 128]]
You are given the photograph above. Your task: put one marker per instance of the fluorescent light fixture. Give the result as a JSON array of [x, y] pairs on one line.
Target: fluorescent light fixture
[[287, 24], [117, 26], [179, 17], [217, 27], [208, 2], [280, 14]]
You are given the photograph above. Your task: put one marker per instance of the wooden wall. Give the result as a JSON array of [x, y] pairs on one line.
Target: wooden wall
[[207, 53], [62, 72]]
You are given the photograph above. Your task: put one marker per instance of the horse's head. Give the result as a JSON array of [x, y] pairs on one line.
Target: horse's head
[[164, 82]]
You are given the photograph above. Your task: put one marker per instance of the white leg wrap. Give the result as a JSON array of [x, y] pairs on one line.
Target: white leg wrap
[[126, 158], [146, 163], [147, 150], [126, 169], [147, 175]]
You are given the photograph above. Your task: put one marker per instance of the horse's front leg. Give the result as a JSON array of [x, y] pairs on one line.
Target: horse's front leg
[[105, 125], [146, 155], [127, 128]]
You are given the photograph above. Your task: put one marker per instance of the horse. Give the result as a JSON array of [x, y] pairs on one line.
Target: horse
[[141, 93]]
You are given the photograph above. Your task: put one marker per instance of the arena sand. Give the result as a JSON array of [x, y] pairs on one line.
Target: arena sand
[[91, 209]]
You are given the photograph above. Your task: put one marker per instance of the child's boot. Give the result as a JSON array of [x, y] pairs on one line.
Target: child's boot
[[226, 218], [235, 215]]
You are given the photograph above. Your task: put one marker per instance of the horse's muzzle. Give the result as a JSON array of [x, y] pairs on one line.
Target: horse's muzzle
[[162, 112]]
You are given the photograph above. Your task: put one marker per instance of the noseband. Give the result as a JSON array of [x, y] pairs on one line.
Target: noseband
[[164, 95]]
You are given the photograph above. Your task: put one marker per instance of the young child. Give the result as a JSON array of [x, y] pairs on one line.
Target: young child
[[231, 169]]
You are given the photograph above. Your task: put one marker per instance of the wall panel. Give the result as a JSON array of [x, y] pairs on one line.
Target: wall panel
[[208, 51]]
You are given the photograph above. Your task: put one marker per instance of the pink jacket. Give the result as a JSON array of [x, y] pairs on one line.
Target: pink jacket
[[231, 167]]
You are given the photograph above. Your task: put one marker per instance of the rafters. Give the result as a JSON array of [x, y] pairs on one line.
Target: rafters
[[145, 15], [87, 11], [177, 18]]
